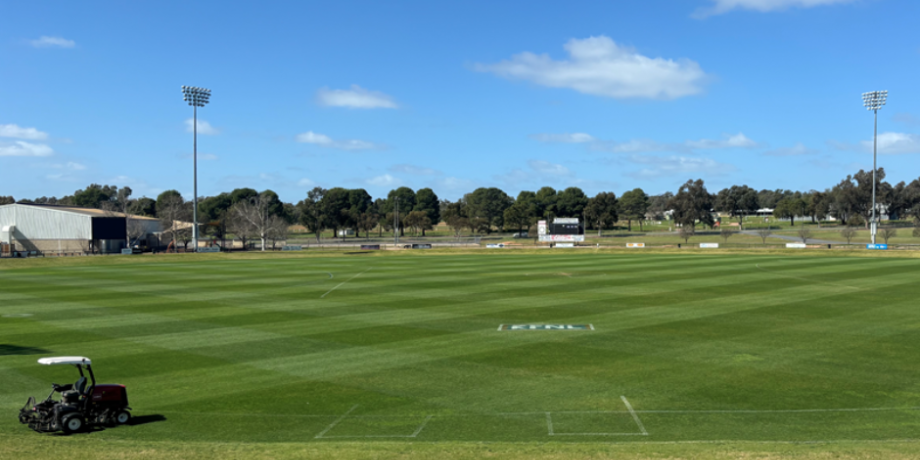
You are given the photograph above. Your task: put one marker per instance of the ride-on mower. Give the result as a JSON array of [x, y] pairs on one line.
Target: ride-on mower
[[81, 405]]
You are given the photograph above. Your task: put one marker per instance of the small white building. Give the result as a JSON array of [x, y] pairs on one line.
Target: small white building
[[67, 229]]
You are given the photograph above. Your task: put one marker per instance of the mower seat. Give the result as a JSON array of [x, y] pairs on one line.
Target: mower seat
[[80, 386]]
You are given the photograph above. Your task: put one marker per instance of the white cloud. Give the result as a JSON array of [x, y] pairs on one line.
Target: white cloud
[[889, 143], [538, 171], [383, 181], [895, 143], [203, 127], [674, 165], [795, 150], [25, 149], [52, 42], [600, 67], [323, 140], [728, 141], [453, 185], [18, 132], [70, 165], [413, 170], [355, 98], [563, 138], [547, 168], [763, 6], [305, 182]]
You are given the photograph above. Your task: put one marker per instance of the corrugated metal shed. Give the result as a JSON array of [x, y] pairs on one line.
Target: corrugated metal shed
[[50, 222], [46, 222]]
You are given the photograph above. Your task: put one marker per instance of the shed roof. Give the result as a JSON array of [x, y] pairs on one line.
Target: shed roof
[[82, 211]]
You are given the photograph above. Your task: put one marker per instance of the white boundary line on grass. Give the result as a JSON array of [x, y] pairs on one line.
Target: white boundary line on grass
[[343, 282], [513, 414], [336, 422], [643, 432], [413, 435], [634, 416], [421, 427]]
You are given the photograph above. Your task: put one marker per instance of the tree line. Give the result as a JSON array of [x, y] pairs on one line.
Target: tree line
[[249, 214]]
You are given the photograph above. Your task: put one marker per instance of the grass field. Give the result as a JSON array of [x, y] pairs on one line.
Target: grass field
[[691, 355]]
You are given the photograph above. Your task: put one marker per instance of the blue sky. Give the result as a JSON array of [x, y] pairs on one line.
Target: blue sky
[[607, 96]]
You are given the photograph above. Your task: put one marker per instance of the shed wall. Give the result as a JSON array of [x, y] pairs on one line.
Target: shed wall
[[36, 223]]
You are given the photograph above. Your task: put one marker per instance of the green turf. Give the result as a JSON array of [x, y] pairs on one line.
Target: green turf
[[705, 347]]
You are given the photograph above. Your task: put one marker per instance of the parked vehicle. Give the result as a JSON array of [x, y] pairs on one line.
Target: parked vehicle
[[82, 405], [520, 235]]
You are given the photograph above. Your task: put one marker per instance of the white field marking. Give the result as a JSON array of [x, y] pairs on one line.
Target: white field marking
[[775, 411], [634, 416], [413, 435], [744, 441], [500, 327], [421, 427], [17, 315], [518, 414], [245, 414], [551, 432], [343, 282], [715, 411], [806, 279], [336, 422]]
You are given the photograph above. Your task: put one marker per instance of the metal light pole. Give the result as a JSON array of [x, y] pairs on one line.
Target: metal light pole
[[196, 97], [396, 222], [873, 101]]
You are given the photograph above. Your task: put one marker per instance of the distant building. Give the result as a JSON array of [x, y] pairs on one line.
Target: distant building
[[67, 229]]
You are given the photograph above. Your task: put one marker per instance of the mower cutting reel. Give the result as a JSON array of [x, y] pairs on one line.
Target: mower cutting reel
[[82, 404]]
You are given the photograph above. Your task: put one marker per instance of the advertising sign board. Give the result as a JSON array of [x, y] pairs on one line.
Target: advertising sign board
[[635, 245], [545, 327], [795, 245], [421, 246], [495, 246], [292, 248], [370, 246], [709, 245], [880, 247], [127, 251], [565, 238], [209, 249], [565, 245]]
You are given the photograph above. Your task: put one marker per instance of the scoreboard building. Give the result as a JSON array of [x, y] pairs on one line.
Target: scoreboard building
[[567, 230]]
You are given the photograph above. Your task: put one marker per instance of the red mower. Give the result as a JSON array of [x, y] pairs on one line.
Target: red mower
[[82, 404]]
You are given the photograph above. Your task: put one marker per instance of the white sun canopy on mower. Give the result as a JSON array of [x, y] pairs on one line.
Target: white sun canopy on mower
[[73, 360]]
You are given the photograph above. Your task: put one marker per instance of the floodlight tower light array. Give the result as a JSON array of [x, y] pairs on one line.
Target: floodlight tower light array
[[195, 97], [874, 100]]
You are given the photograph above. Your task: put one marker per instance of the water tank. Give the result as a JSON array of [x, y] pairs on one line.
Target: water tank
[[6, 234]]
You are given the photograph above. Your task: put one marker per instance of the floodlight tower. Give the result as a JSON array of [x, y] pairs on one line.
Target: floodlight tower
[[873, 101], [196, 97]]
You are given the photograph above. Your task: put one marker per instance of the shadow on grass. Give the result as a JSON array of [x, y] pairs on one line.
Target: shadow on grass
[[7, 350], [145, 419], [135, 421]]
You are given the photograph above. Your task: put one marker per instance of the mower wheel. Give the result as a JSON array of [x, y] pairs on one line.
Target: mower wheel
[[73, 423], [122, 417]]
